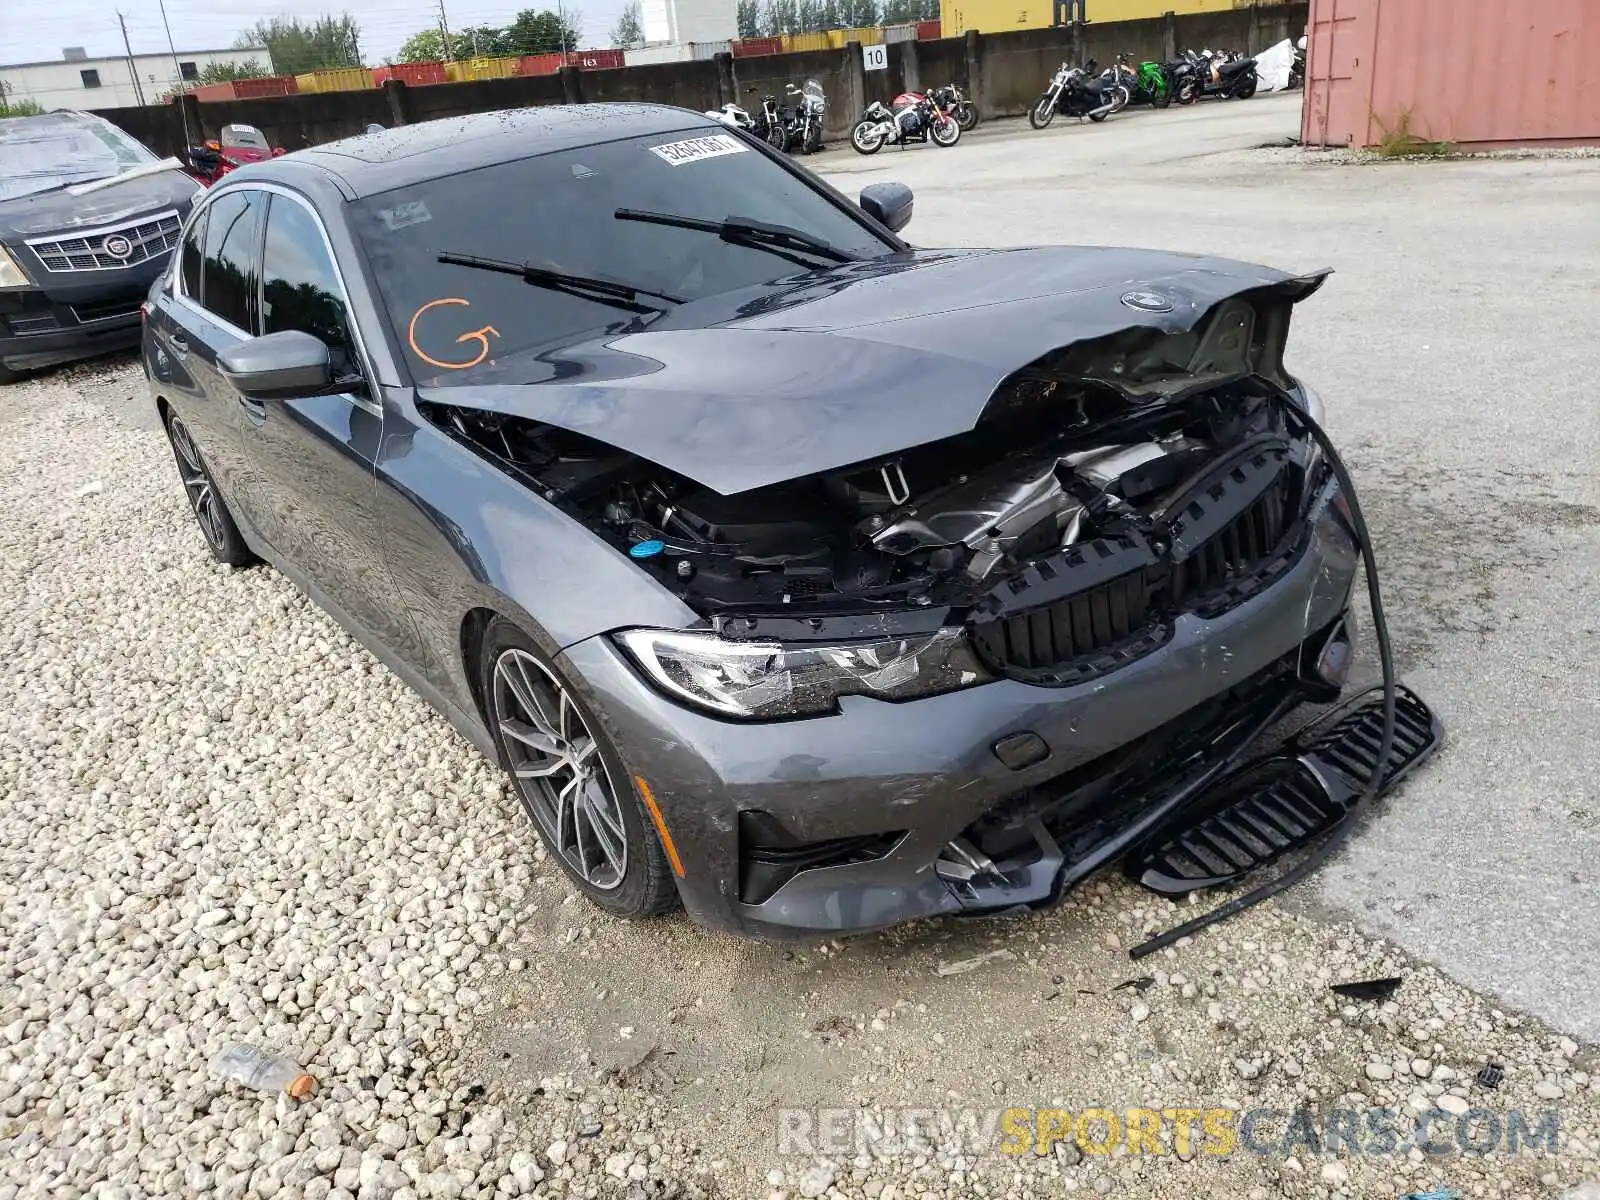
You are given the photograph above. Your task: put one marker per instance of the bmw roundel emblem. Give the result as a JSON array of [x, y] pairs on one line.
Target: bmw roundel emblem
[[1147, 301], [117, 246]]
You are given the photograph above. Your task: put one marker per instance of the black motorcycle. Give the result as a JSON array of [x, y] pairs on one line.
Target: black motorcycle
[[767, 123], [964, 110], [1230, 76], [1297, 68], [1077, 92]]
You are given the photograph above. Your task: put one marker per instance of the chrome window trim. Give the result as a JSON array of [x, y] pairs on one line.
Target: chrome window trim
[[371, 403]]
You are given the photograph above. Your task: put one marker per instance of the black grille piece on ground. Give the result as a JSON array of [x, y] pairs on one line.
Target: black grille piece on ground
[[1287, 801]]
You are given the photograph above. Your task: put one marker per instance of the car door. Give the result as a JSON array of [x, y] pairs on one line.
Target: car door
[[309, 462], [211, 309]]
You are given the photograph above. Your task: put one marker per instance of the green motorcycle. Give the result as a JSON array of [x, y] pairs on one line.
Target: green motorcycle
[[1148, 82]]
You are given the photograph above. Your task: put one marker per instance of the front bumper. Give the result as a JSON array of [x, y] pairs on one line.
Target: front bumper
[[887, 787], [76, 319]]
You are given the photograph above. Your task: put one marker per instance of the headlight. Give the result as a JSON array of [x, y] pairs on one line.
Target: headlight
[[773, 679], [1310, 403], [11, 273]]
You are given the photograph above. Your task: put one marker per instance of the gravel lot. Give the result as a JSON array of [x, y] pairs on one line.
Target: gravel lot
[[221, 820]]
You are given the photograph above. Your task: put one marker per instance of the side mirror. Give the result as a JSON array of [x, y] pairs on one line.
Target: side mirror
[[279, 366], [889, 204]]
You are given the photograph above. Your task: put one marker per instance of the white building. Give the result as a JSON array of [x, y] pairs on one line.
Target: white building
[[679, 22], [77, 81]]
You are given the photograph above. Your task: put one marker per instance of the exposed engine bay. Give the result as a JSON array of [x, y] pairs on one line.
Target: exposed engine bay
[[1054, 462]]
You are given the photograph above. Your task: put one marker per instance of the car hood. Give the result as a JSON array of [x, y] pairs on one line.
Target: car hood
[[820, 371], [61, 211]]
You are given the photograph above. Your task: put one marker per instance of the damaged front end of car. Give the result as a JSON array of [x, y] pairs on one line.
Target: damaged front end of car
[[1107, 491]]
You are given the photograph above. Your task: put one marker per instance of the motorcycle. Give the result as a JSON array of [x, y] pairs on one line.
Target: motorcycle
[[1183, 79], [732, 116], [1231, 76], [1076, 92], [962, 109], [912, 117], [767, 124], [803, 119], [1297, 69], [232, 148], [1148, 81]]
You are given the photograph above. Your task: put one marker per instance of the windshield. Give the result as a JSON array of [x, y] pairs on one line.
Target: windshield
[[557, 213], [244, 135], [42, 154]]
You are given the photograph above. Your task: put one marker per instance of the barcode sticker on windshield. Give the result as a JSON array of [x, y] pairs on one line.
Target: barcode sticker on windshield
[[413, 212], [713, 146]]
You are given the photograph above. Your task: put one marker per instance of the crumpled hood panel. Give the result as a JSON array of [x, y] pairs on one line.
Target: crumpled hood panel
[[788, 379], [62, 212]]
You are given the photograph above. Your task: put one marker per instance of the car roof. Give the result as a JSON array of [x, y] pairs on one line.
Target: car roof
[[389, 158]]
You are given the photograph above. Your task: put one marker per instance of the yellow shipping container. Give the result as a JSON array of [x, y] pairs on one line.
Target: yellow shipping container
[[480, 68], [867, 35], [794, 43], [335, 79], [997, 16]]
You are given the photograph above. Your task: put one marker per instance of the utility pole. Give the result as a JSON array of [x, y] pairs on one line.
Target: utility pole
[[444, 31], [133, 70], [177, 72]]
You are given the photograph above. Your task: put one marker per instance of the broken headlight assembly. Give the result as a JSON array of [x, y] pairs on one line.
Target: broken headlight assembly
[[772, 680], [11, 273]]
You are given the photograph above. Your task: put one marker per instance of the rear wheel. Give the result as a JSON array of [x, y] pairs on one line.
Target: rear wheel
[[1043, 111], [1162, 96], [1098, 116], [570, 779], [1246, 89], [866, 137], [222, 536], [946, 130]]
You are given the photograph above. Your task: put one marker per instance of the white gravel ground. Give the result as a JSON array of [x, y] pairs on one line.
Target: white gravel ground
[[221, 820]]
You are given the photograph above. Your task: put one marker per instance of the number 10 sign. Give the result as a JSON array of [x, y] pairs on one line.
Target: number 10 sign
[[875, 58]]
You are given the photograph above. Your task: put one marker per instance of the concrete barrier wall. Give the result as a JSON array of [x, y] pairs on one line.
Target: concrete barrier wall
[[1003, 72]]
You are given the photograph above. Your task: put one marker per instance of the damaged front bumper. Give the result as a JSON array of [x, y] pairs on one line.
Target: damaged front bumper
[[999, 795]]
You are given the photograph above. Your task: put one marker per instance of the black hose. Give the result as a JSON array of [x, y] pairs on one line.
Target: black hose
[[1374, 784]]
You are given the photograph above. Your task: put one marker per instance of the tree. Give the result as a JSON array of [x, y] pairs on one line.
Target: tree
[[628, 32], [483, 40], [297, 46], [223, 72], [544, 32], [749, 18], [17, 108], [428, 46]]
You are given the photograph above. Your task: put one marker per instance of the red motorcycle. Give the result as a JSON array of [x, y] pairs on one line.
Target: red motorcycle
[[234, 146], [911, 117]]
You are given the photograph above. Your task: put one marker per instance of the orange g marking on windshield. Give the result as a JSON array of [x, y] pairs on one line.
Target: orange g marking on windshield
[[481, 336]]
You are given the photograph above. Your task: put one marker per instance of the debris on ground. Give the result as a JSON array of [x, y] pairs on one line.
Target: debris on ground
[[1367, 989]]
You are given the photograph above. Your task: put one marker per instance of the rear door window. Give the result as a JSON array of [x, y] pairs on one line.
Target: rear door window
[[190, 258], [232, 244]]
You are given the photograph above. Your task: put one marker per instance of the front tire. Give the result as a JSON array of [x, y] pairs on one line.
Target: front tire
[[945, 131], [7, 375], [813, 141], [570, 779], [778, 138], [1162, 97], [866, 137], [216, 523], [1247, 89], [1188, 92], [1043, 111], [967, 115]]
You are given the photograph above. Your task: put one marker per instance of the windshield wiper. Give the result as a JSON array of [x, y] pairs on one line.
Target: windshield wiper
[[589, 287], [746, 231]]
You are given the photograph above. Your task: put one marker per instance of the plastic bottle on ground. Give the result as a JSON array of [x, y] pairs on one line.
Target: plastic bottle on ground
[[261, 1071]]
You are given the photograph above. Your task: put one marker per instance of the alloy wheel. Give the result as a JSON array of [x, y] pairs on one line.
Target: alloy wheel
[[202, 496], [557, 765]]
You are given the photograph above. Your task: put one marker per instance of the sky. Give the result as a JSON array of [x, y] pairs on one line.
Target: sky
[[36, 30]]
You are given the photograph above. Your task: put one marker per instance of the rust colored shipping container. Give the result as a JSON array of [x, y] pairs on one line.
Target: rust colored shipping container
[[756, 47], [248, 89], [411, 74], [929, 31], [539, 64], [1381, 70], [597, 60]]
